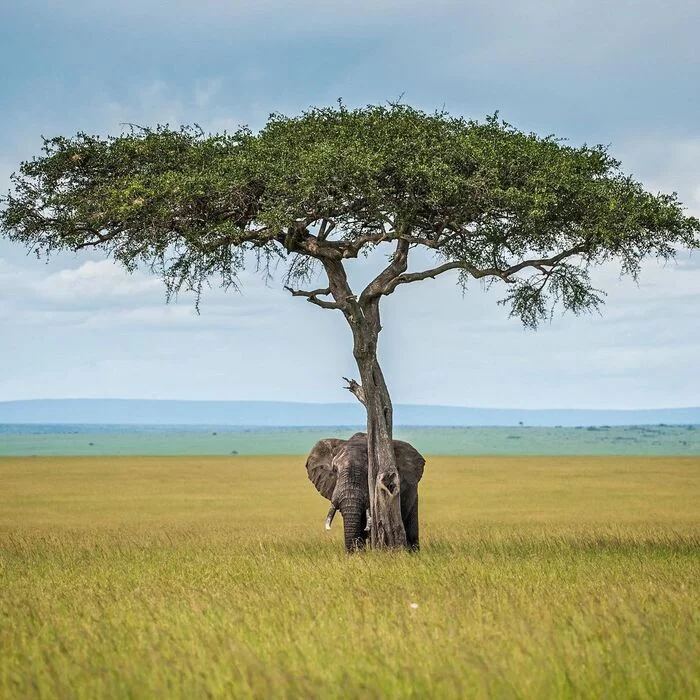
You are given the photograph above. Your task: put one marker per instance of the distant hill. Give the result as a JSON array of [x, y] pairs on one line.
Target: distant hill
[[278, 413]]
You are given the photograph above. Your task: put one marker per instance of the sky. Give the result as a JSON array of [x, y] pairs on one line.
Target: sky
[[623, 74]]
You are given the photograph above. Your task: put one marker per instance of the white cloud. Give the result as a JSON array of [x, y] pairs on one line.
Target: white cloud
[[101, 294], [94, 280], [38, 292]]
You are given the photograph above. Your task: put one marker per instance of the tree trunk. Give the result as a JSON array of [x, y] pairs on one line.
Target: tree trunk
[[387, 530]]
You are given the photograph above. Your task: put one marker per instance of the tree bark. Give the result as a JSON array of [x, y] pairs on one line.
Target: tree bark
[[387, 530]]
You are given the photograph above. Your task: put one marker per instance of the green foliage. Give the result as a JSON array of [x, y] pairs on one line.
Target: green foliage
[[161, 197], [483, 196], [540, 577]]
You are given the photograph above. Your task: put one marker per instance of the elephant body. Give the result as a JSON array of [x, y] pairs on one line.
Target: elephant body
[[338, 470]]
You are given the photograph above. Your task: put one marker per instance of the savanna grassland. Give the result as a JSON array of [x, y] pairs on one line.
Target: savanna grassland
[[147, 577]]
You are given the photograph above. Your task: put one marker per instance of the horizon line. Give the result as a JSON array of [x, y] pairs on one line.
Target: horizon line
[[350, 403]]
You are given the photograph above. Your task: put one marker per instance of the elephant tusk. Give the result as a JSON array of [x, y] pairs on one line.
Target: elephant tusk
[[331, 515], [369, 522]]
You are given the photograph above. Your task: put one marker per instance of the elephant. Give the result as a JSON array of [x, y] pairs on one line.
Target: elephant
[[338, 470]]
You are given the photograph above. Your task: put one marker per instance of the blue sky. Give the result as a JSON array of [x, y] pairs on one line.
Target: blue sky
[[623, 73]]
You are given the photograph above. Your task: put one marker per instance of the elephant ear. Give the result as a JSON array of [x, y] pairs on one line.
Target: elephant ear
[[409, 462], [319, 465]]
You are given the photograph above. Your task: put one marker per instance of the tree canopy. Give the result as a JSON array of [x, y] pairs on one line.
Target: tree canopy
[[485, 198]]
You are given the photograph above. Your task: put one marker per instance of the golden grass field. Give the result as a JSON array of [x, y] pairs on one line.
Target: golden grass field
[[539, 577]]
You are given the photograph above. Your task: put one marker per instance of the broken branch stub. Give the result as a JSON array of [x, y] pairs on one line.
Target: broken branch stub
[[354, 388]]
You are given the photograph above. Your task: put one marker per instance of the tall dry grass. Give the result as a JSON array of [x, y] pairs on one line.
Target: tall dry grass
[[212, 577]]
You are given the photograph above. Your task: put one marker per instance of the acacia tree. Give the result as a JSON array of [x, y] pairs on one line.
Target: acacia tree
[[323, 188]]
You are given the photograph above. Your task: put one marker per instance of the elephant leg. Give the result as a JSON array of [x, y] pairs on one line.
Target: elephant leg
[[409, 515]]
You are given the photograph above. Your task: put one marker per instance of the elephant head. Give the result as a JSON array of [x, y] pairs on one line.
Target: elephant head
[[338, 470]]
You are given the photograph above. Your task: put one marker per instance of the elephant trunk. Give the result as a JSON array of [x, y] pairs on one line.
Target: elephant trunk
[[354, 526]]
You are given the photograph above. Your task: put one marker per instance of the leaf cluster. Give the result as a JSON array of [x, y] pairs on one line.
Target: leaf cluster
[[489, 200]]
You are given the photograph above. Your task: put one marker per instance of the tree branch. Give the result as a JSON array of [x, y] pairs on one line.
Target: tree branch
[[354, 388], [407, 277], [312, 297], [544, 261], [383, 281], [441, 238], [99, 239], [351, 248], [327, 226], [340, 289], [539, 264]]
